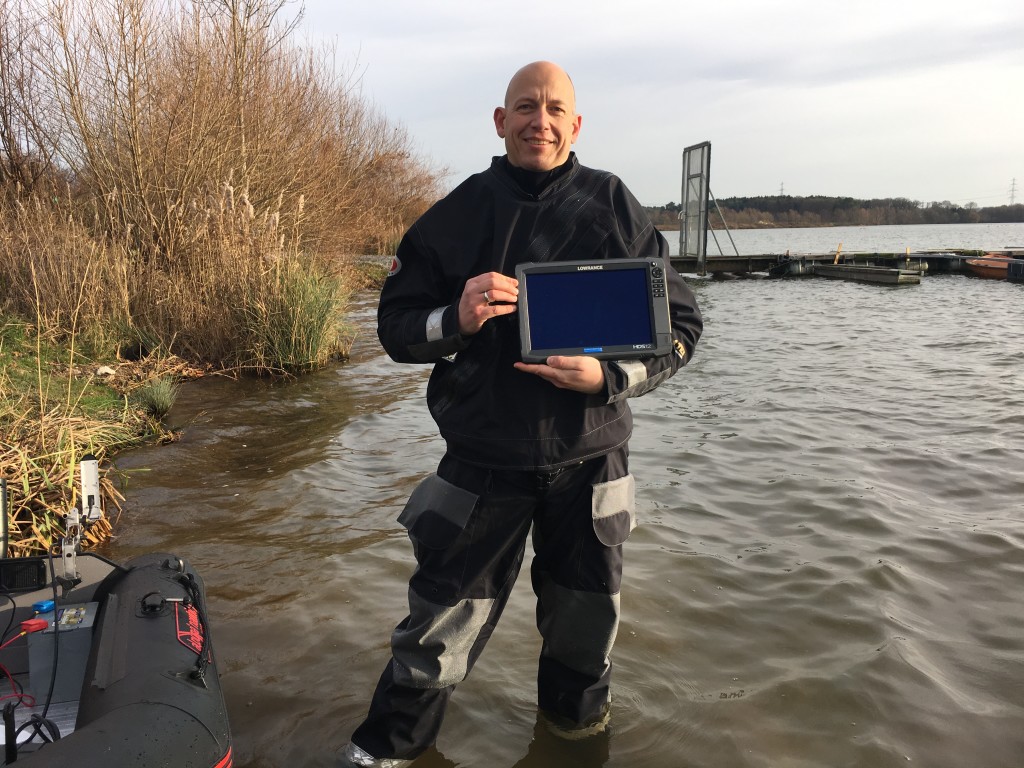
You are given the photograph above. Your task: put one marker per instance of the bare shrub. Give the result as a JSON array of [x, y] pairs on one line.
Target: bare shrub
[[26, 159], [165, 100], [204, 156], [55, 271]]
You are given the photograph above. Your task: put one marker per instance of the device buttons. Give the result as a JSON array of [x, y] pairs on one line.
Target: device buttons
[[657, 282]]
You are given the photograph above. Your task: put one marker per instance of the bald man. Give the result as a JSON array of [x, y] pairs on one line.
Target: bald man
[[529, 447]]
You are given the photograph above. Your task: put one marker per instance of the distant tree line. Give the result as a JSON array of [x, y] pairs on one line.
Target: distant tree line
[[768, 211]]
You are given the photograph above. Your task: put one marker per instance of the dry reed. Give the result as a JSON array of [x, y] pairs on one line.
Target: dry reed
[[190, 167], [178, 181], [44, 431]]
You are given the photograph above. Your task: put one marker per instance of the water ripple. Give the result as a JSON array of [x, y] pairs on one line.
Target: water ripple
[[827, 570]]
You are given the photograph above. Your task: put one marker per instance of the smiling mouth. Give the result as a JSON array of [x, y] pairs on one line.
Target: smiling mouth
[[538, 142]]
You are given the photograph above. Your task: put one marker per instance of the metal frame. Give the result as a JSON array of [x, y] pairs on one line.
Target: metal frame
[[693, 228]]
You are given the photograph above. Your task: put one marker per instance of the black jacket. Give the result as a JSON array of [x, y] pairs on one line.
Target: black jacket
[[489, 413]]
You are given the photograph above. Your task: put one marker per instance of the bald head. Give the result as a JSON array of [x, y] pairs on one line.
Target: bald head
[[538, 120], [541, 69]]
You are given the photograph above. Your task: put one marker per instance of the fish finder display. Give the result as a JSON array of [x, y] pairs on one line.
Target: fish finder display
[[615, 308]]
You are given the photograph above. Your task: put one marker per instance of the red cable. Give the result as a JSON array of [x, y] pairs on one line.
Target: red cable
[[20, 634], [25, 697]]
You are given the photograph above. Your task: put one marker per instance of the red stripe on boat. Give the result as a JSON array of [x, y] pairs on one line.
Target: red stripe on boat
[[225, 762]]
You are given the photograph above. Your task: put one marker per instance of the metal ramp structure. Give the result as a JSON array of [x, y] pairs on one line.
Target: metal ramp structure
[[693, 229]]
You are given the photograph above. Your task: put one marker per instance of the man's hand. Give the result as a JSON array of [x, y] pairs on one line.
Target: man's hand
[[582, 374], [486, 296]]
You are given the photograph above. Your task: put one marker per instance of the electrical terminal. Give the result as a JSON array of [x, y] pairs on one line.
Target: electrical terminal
[[34, 625]]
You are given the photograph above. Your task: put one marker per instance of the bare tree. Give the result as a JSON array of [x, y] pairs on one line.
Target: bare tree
[[25, 154], [205, 154]]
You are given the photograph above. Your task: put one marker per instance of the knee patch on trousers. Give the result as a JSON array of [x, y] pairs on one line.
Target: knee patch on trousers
[[431, 648]]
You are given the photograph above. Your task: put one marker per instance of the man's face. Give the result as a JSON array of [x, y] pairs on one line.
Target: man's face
[[538, 122]]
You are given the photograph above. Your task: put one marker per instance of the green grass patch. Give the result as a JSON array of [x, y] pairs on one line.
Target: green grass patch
[[293, 318], [54, 408], [156, 397], [40, 375]]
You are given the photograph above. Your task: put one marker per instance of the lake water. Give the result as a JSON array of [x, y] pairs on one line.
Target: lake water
[[828, 572], [883, 239]]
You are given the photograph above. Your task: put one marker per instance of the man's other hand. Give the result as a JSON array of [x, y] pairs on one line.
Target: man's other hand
[[579, 373]]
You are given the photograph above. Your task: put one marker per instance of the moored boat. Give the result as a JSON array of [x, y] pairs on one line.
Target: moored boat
[[108, 664], [991, 266]]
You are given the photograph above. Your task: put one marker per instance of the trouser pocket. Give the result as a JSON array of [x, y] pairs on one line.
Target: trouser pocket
[[613, 508], [437, 512]]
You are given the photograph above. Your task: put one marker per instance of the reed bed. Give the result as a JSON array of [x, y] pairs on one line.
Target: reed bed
[[182, 178], [42, 486], [182, 188]]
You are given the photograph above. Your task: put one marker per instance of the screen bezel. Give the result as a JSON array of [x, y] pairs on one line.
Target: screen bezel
[[655, 304]]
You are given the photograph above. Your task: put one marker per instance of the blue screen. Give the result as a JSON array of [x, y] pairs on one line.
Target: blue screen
[[589, 309]]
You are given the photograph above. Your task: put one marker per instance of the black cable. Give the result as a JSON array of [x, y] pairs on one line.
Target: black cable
[[38, 722], [202, 660], [10, 621], [4, 533], [56, 634]]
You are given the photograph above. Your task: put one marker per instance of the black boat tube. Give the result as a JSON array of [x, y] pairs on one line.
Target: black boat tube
[[142, 703]]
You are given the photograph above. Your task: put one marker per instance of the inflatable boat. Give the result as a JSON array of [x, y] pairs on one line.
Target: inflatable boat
[[107, 664]]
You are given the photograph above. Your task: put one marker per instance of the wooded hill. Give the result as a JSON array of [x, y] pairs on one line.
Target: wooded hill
[[820, 211]]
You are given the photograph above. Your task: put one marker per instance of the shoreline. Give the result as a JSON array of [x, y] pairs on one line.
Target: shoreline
[[58, 405]]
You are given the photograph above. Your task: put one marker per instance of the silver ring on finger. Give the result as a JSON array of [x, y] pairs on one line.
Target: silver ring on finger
[[487, 297]]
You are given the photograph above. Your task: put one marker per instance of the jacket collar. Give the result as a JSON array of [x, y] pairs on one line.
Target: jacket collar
[[534, 185]]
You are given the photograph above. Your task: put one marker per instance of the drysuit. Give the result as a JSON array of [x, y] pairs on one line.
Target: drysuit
[[521, 453]]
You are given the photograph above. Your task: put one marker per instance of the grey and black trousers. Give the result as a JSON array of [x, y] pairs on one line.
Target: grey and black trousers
[[469, 526]]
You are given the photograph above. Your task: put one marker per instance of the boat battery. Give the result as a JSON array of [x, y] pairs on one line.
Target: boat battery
[[74, 635]]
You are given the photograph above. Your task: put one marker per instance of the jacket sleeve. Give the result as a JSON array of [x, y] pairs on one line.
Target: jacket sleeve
[[633, 378], [417, 317]]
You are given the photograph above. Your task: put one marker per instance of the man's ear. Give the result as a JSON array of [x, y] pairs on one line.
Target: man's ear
[[499, 121]]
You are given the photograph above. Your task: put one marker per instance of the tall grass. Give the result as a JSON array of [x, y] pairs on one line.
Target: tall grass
[[292, 319], [176, 179], [156, 397], [209, 181]]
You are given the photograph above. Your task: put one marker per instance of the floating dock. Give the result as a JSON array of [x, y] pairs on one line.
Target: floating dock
[[883, 275], [904, 268]]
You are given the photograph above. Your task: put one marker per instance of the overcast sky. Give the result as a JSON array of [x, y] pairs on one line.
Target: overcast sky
[[868, 98]]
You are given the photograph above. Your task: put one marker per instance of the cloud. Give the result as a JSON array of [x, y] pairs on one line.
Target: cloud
[[871, 98]]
